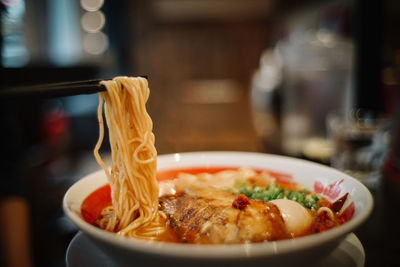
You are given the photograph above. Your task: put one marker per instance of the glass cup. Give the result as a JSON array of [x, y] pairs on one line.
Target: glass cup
[[361, 141], [317, 69]]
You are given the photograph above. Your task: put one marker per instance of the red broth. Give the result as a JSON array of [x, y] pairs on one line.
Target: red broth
[[94, 203]]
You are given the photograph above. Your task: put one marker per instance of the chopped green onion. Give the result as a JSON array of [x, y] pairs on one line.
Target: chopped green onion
[[274, 191]]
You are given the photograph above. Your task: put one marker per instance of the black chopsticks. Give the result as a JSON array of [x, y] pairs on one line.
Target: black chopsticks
[[54, 89]]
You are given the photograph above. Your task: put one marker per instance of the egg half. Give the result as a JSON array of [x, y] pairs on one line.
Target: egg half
[[297, 219]]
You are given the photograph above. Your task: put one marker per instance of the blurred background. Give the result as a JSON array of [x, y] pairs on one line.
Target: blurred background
[[255, 75]]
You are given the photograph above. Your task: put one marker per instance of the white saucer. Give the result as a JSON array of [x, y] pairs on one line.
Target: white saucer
[[82, 252]]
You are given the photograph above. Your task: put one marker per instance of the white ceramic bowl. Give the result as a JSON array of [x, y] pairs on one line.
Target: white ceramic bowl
[[302, 250]]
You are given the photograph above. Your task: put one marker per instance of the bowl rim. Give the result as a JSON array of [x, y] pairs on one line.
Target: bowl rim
[[224, 251]]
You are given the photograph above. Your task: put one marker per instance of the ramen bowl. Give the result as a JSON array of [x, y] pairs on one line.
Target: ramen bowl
[[302, 250]]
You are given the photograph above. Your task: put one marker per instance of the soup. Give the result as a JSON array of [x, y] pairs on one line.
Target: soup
[[223, 205]]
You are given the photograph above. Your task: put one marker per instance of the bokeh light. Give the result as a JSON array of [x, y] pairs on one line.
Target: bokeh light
[[92, 5], [93, 21], [95, 43]]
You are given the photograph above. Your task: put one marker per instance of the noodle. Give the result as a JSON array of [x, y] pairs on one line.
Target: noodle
[[132, 175]]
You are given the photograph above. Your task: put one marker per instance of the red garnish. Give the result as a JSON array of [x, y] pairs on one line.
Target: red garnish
[[241, 202], [338, 204], [348, 213]]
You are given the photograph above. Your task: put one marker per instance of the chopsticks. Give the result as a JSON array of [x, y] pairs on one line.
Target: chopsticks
[[55, 89]]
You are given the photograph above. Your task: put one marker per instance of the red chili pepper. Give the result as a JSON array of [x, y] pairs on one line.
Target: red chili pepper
[[241, 202], [338, 204]]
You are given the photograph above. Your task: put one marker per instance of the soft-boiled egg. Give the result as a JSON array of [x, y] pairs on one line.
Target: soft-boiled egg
[[297, 219]]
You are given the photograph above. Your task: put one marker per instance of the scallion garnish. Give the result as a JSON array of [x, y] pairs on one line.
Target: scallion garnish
[[274, 191]]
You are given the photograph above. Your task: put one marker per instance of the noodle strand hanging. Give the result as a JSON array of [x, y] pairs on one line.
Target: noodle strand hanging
[[132, 174]]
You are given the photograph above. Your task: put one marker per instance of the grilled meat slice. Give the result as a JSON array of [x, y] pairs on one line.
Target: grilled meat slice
[[207, 216]]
